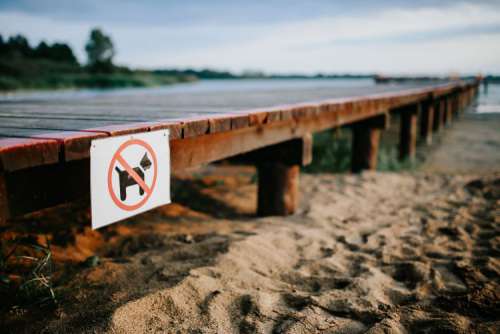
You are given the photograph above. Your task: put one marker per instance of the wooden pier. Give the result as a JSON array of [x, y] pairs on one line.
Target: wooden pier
[[44, 145]]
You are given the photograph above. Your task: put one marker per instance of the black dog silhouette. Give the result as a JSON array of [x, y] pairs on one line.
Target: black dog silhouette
[[126, 180]]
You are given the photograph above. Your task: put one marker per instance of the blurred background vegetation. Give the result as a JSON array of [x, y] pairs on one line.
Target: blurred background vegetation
[[53, 66], [332, 150]]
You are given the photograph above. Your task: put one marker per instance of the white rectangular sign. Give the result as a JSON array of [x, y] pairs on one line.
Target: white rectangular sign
[[128, 175]]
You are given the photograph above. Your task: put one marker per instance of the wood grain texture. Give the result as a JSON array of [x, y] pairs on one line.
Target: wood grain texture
[[278, 189], [438, 117], [365, 142], [200, 114], [427, 121], [20, 153], [408, 133], [30, 157]]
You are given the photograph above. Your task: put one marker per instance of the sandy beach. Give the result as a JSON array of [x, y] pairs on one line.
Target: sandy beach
[[372, 253]]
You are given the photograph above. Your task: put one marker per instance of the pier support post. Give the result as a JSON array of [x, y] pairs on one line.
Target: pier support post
[[454, 104], [438, 117], [427, 121], [365, 142], [278, 168], [462, 101], [278, 189], [4, 204], [442, 106], [449, 109], [408, 132]]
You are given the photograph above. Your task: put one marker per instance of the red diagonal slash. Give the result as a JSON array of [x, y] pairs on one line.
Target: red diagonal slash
[[133, 174]]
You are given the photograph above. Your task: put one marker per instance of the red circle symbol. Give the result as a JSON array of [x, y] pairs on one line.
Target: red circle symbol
[[118, 158]]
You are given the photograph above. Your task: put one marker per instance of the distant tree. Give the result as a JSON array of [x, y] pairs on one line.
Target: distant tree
[[2, 47], [18, 45], [62, 52], [42, 50], [58, 52], [100, 51]]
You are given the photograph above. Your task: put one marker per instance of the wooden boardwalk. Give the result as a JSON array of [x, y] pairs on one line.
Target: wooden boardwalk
[[47, 140]]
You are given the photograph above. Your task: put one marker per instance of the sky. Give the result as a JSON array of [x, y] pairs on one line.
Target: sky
[[275, 36]]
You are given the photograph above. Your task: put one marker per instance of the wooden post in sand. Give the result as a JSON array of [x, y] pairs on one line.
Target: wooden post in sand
[[463, 100], [426, 121], [449, 109], [365, 142], [438, 117], [454, 104], [458, 105], [444, 114], [4, 207], [278, 168], [408, 132]]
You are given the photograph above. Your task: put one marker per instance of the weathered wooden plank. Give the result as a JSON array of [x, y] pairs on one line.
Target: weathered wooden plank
[[124, 129], [449, 108], [57, 124], [313, 116], [365, 142], [193, 151], [240, 121], [195, 126], [210, 145], [20, 153], [62, 117], [74, 144], [438, 117], [4, 202], [408, 132], [278, 168], [278, 189], [291, 152], [259, 117], [32, 189], [427, 121], [174, 127]]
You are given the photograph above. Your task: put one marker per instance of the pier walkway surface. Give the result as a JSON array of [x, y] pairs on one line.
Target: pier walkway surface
[[47, 139]]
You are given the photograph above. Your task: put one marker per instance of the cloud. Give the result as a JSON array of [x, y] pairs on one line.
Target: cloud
[[462, 37]]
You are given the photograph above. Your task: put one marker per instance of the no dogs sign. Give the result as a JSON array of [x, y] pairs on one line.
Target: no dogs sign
[[128, 175]]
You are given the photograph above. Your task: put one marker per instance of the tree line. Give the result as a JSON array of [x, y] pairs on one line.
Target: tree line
[[18, 46], [99, 47]]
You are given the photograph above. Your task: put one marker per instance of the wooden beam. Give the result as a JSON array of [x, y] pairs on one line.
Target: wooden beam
[[456, 103], [28, 190], [426, 121], [365, 143], [442, 106], [292, 152], [278, 189], [20, 153], [339, 111], [408, 133], [4, 204], [278, 169], [449, 109], [27, 163], [438, 117]]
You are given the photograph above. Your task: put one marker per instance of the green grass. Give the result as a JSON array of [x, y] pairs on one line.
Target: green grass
[[88, 80], [21, 73], [25, 274], [331, 152]]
